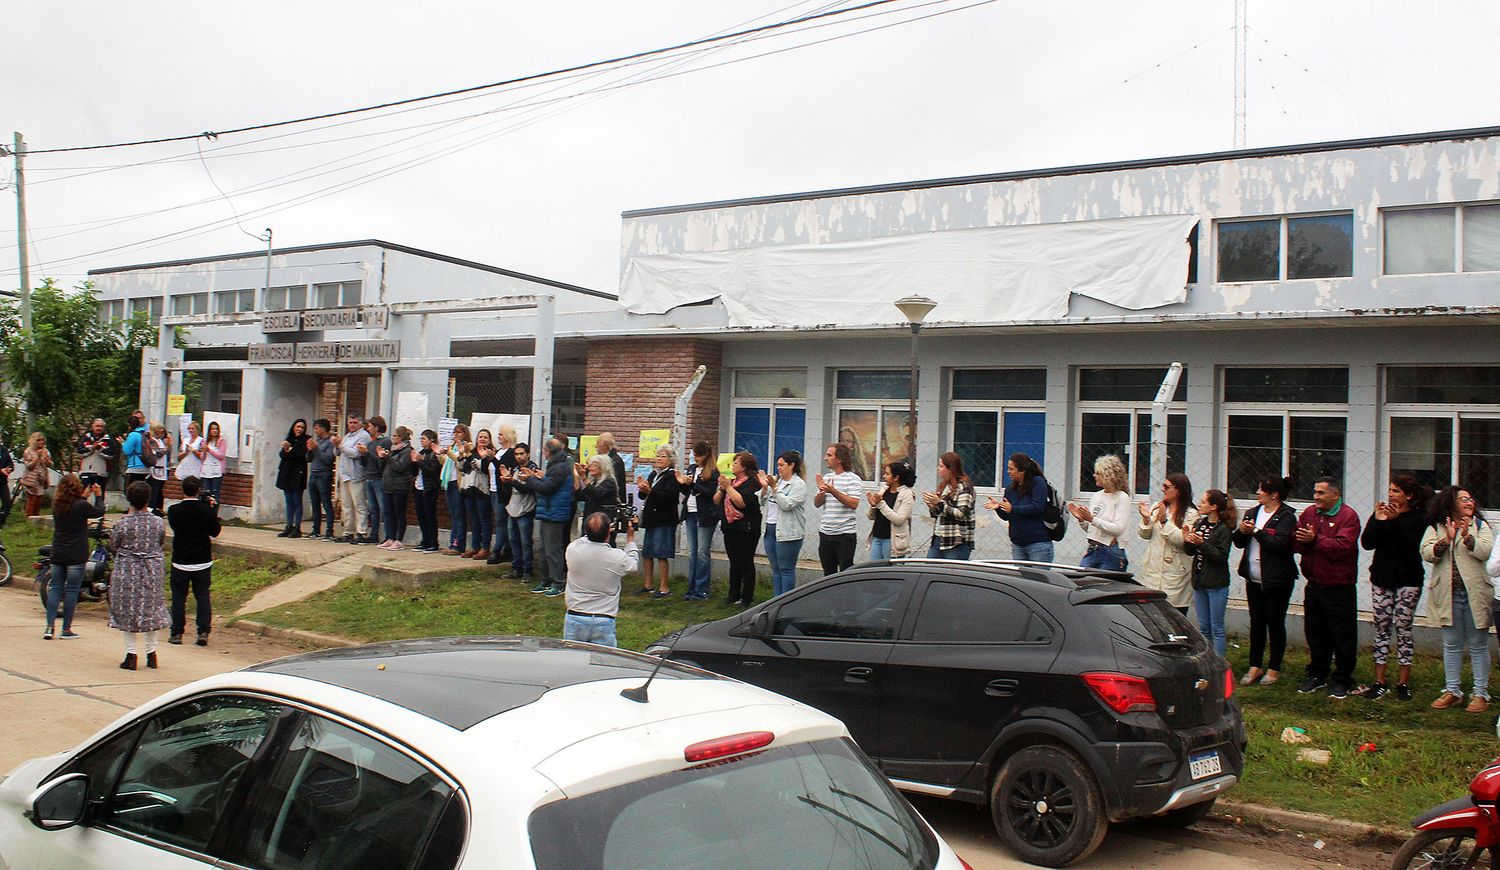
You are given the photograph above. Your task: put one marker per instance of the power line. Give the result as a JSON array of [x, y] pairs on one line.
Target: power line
[[474, 88], [203, 229]]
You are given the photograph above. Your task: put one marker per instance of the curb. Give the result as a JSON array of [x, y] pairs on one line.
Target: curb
[[314, 638], [1307, 823]]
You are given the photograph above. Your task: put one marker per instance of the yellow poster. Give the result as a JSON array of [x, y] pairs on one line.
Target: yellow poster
[[588, 448], [651, 439], [176, 405], [726, 464]]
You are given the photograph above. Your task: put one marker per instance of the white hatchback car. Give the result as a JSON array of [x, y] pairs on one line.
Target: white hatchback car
[[464, 752]]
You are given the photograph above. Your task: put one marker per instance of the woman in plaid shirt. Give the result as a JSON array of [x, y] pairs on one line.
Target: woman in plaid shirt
[[952, 509]]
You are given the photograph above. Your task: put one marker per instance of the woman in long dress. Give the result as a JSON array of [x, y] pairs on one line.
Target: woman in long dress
[[136, 604]]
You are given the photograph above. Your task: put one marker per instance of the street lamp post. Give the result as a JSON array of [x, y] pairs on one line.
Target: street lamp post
[[915, 309]]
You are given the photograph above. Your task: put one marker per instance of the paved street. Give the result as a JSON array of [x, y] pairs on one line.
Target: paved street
[[56, 693]]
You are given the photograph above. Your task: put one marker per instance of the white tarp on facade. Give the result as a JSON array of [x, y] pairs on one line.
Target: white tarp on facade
[[975, 275]]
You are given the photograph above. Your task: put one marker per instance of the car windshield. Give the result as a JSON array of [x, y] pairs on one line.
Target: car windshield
[[808, 805]]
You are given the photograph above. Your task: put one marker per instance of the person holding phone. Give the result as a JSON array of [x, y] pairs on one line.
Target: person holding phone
[[1397, 576], [1457, 543], [71, 513]]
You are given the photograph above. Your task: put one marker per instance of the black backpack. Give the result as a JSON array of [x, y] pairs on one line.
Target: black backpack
[[1053, 516]]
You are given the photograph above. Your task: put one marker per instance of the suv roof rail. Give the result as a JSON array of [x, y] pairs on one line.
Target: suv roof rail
[[1031, 570]]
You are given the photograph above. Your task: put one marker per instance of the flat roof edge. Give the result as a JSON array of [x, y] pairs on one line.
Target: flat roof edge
[[1078, 169], [363, 243]]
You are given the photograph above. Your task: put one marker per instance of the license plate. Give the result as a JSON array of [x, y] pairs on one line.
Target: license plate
[[1205, 764]]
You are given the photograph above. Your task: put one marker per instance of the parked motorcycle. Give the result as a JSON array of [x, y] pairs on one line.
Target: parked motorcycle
[[95, 585], [1457, 834]]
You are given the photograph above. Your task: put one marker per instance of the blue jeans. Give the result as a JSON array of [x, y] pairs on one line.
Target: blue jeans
[[212, 486], [700, 541], [1041, 551], [1456, 638], [63, 583], [377, 505], [1210, 604], [502, 527], [478, 518], [784, 578], [293, 499], [589, 629], [1105, 558], [455, 517], [880, 549], [962, 552], [520, 544], [320, 487]]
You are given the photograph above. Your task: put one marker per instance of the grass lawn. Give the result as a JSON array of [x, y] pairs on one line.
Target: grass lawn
[[1423, 756], [235, 578], [476, 602]]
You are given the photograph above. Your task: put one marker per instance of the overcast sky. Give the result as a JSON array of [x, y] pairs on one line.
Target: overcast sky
[[1002, 86]]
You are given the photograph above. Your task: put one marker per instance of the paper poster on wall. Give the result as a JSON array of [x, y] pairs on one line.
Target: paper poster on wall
[[411, 412], [725, 462], [573, 444], [651, 440], [629, 460], [588, 448], [520, 422], [176, 404], [445, 431], [229, 427]]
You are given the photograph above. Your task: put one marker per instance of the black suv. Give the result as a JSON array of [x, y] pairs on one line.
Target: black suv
[[1065, 698]]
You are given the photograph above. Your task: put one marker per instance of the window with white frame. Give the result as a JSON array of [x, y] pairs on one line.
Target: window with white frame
[[286, 298], [1286, 248], [184, 304], [111, 311], [871, 412], [1114, 416], [339, 294], [1462, 238], [1443, 427], [769, 410], [994, 413], [150, 305], [233, 301], [1284, 422]]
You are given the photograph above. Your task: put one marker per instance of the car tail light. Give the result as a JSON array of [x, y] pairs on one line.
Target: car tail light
[[967, 865], [734, 744], [1123, 693], [1228, 683]]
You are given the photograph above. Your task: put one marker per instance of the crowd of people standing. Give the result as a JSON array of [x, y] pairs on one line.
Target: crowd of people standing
[[507, 506]]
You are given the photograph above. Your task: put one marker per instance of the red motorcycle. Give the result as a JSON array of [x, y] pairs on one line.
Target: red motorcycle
[[1457, 834]]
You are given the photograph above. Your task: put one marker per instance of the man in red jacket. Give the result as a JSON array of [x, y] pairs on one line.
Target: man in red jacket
[[1328, 538]]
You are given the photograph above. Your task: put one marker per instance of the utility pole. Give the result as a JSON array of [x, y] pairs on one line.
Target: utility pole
[[1241, 37], [18, 151]]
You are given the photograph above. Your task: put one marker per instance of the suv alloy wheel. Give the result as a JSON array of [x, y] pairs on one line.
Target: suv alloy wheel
[[1047, 806]]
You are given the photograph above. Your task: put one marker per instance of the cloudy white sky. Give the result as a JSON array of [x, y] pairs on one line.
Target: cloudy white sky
[[537, 182]]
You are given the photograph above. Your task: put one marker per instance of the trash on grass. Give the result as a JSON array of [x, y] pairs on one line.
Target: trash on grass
[[1295, 735], [1318, 844], [1314, 756], [1368, 747]]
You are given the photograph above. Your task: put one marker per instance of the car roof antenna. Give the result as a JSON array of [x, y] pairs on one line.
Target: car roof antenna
[[638, 693]]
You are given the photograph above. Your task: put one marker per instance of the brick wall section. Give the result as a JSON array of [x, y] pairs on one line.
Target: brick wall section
[[235, 491], [337, 394], [633, 384]]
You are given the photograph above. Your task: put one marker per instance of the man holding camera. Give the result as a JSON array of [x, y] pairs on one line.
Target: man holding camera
[[94, 449], [195, 523], [594, 572]]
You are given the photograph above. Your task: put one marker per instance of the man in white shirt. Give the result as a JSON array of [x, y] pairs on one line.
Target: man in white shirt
[[839, 493], [594, 572], [352, 450]]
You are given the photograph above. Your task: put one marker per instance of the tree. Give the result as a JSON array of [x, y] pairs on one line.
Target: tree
[[69, 367]]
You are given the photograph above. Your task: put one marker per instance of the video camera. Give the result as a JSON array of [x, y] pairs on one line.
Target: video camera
[[621, 517]]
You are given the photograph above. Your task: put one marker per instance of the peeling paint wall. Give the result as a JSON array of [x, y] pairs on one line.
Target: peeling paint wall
[[1361, 180]]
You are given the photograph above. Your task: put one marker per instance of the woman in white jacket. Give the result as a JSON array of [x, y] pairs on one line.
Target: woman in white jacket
[[1167, 566], [1107, 516], [890, 509], [1457, 543], [785, 499]]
